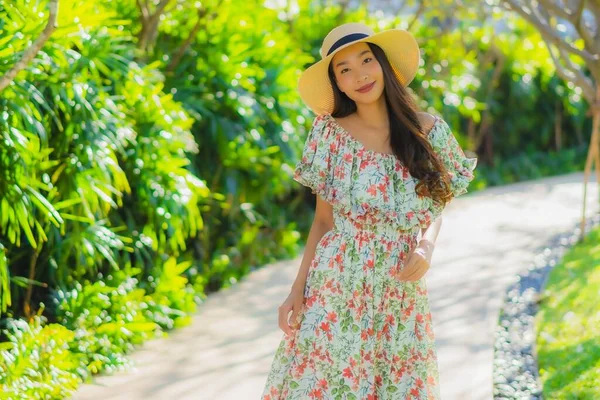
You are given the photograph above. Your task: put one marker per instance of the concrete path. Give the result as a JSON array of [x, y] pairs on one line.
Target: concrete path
[[486, 238]]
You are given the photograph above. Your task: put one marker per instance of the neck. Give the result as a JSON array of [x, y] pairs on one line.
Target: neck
[[374, 114]]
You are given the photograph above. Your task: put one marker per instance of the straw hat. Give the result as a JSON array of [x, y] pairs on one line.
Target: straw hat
[[399, 45]]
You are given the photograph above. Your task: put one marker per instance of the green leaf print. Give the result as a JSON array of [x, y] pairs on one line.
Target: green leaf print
[[294, 385], [355, 328]]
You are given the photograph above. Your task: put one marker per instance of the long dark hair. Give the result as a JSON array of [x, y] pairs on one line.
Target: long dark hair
[[407, 137]]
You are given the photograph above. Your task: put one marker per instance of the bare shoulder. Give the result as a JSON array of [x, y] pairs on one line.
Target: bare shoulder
[[427, 120]]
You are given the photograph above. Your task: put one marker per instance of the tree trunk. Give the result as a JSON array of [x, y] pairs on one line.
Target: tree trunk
[[593, 156], [558, 126]]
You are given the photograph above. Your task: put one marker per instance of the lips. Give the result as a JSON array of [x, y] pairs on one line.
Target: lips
[[366, 88]]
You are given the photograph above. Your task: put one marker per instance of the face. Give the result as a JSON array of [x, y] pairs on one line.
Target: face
[[354, 67]]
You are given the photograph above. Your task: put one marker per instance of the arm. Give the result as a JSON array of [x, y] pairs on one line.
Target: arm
[[429, 236], [419, 260], [322, 223]]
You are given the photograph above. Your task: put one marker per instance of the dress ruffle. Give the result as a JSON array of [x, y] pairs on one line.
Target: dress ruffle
[[460, 167], [357, 181]]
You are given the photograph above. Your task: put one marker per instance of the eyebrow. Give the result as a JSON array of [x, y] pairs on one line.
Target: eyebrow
[[360, 55]]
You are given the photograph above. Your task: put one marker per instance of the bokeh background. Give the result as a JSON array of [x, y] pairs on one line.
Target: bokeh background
[[147, 150]]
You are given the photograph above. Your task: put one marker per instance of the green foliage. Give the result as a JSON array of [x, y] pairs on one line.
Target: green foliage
[[172, 299], [568, 324], [108, 319], [98, 325], [36, 361], [132, 184], [530, 165]]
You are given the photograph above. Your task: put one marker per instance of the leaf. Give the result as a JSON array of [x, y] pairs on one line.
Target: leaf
[[25, 282]]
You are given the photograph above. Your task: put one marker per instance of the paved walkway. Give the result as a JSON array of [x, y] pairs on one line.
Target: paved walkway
[[486, 238]]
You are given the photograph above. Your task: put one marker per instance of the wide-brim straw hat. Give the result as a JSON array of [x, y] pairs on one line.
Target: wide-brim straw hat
[[399, 45]]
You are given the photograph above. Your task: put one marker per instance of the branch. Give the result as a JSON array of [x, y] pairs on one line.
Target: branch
[[143, 9], [201, 14], [416, 17], [576, 19], [37, 45], [549, 33], [583, 30], [572, 73], [561, 12], [161, 6]]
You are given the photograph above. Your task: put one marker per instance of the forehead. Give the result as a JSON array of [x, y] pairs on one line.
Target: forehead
[[349, 53]]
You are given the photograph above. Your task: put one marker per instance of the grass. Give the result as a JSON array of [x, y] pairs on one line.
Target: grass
[[568, 325]]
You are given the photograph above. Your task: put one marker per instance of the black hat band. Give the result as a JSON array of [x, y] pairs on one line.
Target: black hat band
[[346, 39]]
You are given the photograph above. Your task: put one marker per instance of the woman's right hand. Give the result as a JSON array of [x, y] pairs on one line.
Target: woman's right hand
[[293, 303]]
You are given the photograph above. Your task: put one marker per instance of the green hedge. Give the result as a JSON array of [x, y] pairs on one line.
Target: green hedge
[[134, 182]]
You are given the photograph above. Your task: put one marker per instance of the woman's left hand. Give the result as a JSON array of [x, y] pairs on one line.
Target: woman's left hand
[[418, 262]]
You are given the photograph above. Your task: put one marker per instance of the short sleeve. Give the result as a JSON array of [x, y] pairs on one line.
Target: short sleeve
[[460, 167], [315, 168]]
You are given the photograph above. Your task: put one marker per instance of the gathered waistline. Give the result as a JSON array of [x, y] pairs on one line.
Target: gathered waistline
[[350, 227]]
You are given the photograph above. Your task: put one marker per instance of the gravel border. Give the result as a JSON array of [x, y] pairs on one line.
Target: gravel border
[[515, 374]]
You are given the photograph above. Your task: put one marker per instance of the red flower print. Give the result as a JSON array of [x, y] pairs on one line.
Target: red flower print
[[378, 380], [352, 362], [389, 319], [372, 397], [372, 190], [408, 310], [419, 318], [332, 316], [323, 384], [347, 373], [332, 148], [419, 383], [339, 257], [364, 335], [415, 392], [316, 394], [325, 327]]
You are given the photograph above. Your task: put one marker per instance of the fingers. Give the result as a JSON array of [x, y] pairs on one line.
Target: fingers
[[288, 326], [415, 275], [407, 269], [293, 320], [414, 270], [284, 310]]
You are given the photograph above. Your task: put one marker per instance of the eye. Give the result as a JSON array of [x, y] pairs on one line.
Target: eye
[[342, 71], [368, 58]]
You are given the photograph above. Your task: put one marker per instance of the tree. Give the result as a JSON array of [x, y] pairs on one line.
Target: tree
[[30, 53], [564, 25]]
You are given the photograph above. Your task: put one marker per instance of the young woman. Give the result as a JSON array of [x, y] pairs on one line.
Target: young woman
[[383, 172]]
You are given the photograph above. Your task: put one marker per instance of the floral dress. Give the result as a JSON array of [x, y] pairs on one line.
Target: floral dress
[[364, 334]]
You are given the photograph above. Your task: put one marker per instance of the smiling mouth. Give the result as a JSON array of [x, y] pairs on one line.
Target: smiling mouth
[[366, 87]]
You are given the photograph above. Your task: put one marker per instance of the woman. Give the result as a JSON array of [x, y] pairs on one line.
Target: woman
[[361, 326]]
